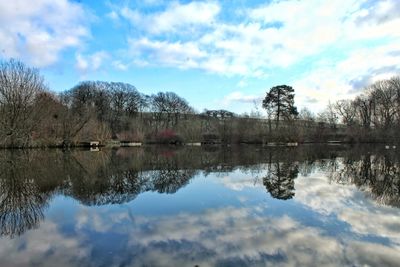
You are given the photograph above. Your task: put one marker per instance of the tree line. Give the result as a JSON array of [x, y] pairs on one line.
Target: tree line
[[33, 116], [373, 116]]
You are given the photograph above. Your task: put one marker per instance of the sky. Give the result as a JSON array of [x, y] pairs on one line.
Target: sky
[[217, 54]]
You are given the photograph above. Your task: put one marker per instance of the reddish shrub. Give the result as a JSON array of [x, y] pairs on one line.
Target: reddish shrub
[[169, 136]]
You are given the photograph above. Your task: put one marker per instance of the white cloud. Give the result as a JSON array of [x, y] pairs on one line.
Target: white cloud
[[274, 37], [45, 246], [345, 79], [240, 97], [372, 254], [38, 31], [349, 204], [182, 55], [81, 63], [120, 65], [242, 83], [176, 17], [239, 180], [249, 48], [113, 15], [230, 234], [91, 62]]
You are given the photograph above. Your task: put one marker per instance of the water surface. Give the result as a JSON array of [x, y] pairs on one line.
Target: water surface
[[235, 206]]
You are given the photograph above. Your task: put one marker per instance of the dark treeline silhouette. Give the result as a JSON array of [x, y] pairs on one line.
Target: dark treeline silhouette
[[119, 176], [32, 116]]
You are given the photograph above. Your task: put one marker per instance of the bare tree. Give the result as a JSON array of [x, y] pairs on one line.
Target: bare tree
[[76, 113], [364, 106], [19, 87], [394, 82], [345, 109], [170, 106], [306, 114], [385, 109], [328, 116]]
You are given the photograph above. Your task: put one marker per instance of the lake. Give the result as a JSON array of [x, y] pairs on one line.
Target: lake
[[313, 205]]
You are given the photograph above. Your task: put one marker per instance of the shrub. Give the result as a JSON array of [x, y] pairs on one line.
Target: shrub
[[169, 136]]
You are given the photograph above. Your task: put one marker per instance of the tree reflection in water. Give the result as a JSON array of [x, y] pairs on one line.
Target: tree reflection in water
[[29, 179], [282, 170], [280, 180], [376, 174], [21, 205], [109, 177], [22, 199]]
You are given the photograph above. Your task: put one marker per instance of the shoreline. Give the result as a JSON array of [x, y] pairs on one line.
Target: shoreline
[[388, 145]]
